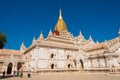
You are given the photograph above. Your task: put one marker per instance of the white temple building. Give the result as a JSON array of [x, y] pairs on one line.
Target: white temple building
[[62, 52]]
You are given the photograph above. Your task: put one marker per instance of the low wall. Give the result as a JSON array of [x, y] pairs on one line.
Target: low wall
[[97, 70]]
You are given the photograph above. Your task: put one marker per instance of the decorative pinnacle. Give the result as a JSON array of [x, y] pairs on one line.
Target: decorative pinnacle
[[97, 41], [80, 33], [50, 32], [60, 16], [34, 38], [22, 43], [105, 40], [41, 36], [90, 38], [119, 32]]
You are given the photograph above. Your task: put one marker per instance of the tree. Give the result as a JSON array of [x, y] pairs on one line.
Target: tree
[[3, 40]]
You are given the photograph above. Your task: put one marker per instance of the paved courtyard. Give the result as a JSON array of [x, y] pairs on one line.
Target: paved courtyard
[[66, 76]]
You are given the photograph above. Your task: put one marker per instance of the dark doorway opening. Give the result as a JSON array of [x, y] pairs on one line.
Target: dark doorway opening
[[75, 63], [68, 56], [19, 66], [52, 55], [69, 66], [81, 62], [52, 66], [9, 68]]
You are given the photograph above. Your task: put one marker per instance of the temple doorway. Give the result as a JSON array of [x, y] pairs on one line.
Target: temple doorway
[[52, 55], [75, 63], [69, 66], [19, 66], [9, 68], [81, 62], [52, 66]]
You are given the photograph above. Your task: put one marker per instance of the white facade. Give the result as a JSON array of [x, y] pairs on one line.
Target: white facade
[[61, 51]]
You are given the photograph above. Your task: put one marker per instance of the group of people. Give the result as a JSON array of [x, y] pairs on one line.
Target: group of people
[[18, 73]]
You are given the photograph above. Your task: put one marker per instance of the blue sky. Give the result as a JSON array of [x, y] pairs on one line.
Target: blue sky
[[21, 20]]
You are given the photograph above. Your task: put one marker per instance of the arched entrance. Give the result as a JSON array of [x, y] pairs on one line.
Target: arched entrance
[[9, 68], [52, 66], [81, 62], [75, 63], [69, 66], [52, 55], [19, 66], [68, 56]]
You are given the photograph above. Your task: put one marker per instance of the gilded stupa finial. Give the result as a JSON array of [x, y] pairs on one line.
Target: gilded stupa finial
[[60, 14], [60, 26]]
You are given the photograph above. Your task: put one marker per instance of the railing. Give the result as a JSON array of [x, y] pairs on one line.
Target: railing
[[57, 70], [96, 70]]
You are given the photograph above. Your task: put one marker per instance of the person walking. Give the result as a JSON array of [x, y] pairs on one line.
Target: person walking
[[17, 73], [14, 73], [21, 73], [29, 75], [3, 74]]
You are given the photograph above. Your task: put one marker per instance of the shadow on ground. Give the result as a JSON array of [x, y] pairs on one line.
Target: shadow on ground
[[7, 76]]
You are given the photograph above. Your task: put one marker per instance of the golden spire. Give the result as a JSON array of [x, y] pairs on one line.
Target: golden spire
[[60, 26], [60, 16]]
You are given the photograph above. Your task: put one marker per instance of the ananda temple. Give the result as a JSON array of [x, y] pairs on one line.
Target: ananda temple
[[62, 52]]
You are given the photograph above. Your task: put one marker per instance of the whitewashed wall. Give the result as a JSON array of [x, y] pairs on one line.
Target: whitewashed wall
[[102, 62]]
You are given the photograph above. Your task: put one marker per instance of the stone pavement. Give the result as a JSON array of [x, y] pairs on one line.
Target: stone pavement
[[66, 76]]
